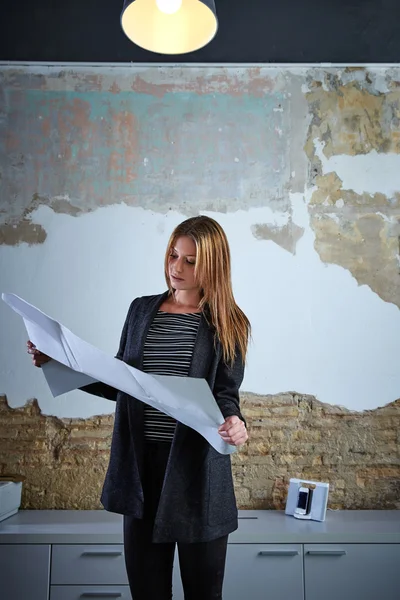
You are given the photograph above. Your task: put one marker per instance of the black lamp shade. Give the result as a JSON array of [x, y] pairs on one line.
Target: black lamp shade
[[169, 26]]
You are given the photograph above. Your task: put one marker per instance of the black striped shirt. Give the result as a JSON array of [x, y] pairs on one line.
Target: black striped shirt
[[167, 350]]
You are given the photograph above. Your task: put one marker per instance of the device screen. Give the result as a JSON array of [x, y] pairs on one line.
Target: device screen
[[302, 502]]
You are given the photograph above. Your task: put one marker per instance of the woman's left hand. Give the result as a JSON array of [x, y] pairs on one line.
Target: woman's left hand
[[233, 431]]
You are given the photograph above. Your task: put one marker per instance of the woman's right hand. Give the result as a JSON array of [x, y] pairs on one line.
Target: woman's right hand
[[38, 358]]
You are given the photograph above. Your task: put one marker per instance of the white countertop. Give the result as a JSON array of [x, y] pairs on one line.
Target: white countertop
[[255, 527]]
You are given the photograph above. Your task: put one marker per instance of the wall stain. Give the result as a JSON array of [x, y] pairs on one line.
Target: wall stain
[[203, 139], [160, 139], [154, 81], [359, 233], [114, 88], [285, 236], [352, 120], [224, 82], [23, 231], [356, 231]]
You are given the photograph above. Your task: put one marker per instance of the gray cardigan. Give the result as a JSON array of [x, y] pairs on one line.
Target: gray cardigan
[[198, 501]]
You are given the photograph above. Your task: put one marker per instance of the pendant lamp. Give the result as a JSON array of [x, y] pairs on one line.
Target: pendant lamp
[[169, 26]]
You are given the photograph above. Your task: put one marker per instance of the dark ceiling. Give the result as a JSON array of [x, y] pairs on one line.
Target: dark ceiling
[[337, 31]]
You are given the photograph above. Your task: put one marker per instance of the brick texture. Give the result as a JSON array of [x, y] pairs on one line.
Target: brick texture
[[64, 460]]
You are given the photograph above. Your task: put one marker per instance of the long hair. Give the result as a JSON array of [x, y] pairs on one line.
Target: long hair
[[213, 276]]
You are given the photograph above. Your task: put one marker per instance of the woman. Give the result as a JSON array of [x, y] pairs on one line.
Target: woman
[[164, 477]]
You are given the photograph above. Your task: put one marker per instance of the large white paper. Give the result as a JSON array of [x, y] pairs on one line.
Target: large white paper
[[76, 363]]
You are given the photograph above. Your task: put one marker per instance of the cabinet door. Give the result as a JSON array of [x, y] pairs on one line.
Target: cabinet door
[[24, 571], [264, 572], [352, 571], [81, 564]]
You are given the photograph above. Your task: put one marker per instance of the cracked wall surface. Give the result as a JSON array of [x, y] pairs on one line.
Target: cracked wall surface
[[80, 139], [357, 228], [301, 167]]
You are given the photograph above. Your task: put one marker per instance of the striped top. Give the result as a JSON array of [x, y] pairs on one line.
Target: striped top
[[167, 350]]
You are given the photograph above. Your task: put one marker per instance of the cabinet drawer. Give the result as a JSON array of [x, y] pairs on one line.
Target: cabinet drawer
[[264, 572], [89, 592], [349, 571], [88, 564]]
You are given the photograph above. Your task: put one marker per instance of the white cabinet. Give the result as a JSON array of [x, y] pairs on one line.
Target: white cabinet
[[24, 571], [264, 572], [81, 571], [254, 571], [352, 571], [78, 555], [363, 571], [309, 572], [88, 564]]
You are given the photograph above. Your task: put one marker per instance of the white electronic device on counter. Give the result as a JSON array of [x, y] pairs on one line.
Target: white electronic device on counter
[[10, 498], [307, 499]]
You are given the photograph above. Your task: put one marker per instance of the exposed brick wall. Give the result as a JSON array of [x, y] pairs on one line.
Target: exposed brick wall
[[291, 435]]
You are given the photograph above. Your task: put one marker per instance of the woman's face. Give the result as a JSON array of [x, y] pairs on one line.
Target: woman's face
[[182, 262]]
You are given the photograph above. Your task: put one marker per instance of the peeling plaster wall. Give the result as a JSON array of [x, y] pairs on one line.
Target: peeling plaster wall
[[301, 166], [354, 150]]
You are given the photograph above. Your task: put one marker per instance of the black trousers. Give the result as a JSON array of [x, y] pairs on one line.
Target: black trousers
[[149, 565]]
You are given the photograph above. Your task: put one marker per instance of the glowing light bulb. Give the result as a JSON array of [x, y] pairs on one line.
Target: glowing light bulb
[[169, 6]]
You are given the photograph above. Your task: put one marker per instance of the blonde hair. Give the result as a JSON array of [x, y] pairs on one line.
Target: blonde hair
[[213, 276]]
